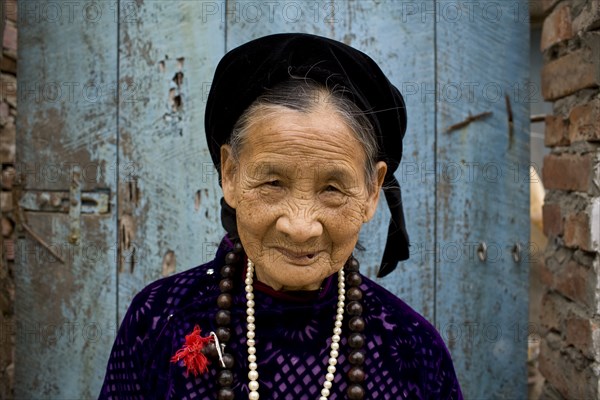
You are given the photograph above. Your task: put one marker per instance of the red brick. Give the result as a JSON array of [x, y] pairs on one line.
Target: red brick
[[572, 376], [553, 308], [547, 5], [584, 122], [577, 283], [8, 178], [7, 64], [10, 7], [553, 219], [569, 74], [568, 172], [7, 144], [557, 27], [6, 201], [4, 110], [545, 275], [578, 231], [9, 41], [589, 17], [556, 132], [7, 227], [8, 83], [584, 334]]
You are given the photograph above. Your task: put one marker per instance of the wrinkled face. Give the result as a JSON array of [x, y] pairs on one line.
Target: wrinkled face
[[301, 195]]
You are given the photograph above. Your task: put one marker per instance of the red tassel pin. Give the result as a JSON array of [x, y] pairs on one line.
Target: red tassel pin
[[191, 352]]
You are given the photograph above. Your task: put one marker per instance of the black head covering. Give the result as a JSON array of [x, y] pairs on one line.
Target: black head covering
[[245, 72]]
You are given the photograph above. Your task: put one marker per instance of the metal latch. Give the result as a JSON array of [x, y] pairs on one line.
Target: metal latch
[[74, 202]]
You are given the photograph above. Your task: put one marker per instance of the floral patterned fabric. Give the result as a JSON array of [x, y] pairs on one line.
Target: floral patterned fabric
[[405, 356]]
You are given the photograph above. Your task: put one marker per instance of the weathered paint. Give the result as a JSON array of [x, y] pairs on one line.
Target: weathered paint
[[168, 55], [65, 310], [482, 305], [164, 198]]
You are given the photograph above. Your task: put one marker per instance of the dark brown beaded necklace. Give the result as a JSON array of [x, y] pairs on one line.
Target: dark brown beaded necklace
[[354, 309]]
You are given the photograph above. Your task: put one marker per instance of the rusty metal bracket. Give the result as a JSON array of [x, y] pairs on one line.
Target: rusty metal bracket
[[51, 201]]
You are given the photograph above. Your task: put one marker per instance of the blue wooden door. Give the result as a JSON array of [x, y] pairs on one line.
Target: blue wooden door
[[141, 72]]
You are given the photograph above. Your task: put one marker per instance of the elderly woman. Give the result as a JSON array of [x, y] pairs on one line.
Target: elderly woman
[[305, 131]]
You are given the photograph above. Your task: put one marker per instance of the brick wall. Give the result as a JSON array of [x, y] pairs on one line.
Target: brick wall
[[8, 108], [570, 322]]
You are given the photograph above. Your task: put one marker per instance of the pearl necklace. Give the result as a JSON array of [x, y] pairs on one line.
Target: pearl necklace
[[250, 335]]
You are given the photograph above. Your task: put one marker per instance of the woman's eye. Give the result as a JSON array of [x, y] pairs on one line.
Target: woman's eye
[[331, 188], [273, 183]]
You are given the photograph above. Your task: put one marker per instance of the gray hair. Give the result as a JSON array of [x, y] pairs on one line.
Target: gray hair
[[304, 95]]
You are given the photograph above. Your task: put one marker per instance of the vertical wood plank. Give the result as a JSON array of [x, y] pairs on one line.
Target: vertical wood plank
[[67, 125], [169, 215], [396, 43], [483, 193]]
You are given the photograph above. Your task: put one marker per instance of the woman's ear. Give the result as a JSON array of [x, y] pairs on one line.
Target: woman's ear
[[373, 199], [228, 175]]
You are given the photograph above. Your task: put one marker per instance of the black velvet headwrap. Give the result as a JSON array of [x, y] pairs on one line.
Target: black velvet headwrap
[[245, 72]]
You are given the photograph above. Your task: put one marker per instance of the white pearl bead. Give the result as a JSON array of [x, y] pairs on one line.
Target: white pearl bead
[[253, 396], [252, 358], [253, 385], [251, 350], [327, 384], [332, 361], [324, 392], [322, 398], [329, 377], [252, 375], [250, 303], [252, 366], [337, 331], [251, 343], [335, 346], [338, 324], [251, 327], [250, 334], [335, 338], [339, 317], [250, 311], [331, 369], [250, 319], [333, 353]]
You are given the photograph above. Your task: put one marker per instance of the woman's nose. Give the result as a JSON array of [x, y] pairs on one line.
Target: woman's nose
[[299, 225]]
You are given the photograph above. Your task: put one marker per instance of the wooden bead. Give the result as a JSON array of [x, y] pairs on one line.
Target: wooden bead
[[357, 357], [223, 317], [354, 308], [225, 377], [231, 258], [223, 333], [353, 265], [225, 301], [356, 324], [226, 393], [210, 351], [353, 279], [355, 392], [354, 293], [228, 360], [356, 340], [227, 271], [226, 285], [237, 247], [356, 374]]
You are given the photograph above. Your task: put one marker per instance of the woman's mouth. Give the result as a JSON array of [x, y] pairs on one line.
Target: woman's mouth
[[298, 257]]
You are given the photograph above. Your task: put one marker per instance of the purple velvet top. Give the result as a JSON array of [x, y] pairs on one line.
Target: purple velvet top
[[405, 356]]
